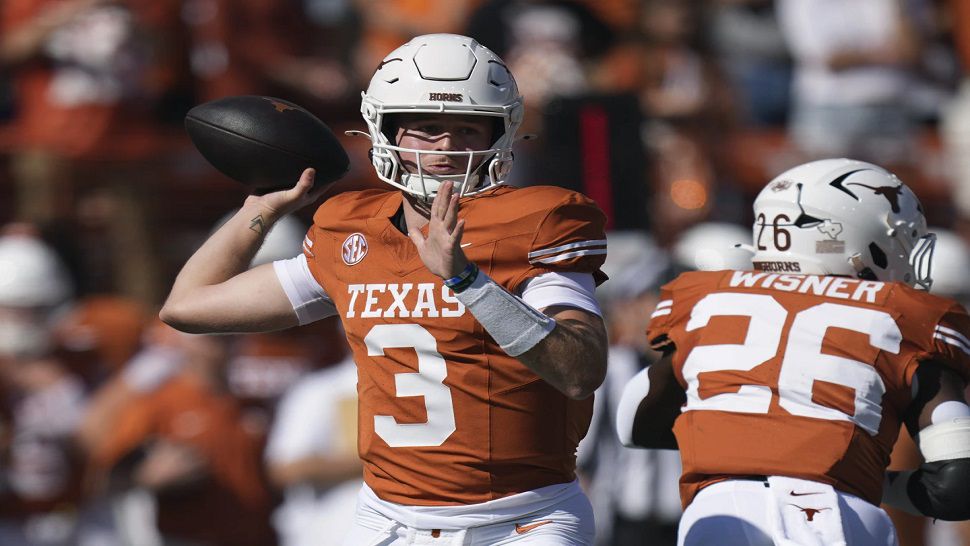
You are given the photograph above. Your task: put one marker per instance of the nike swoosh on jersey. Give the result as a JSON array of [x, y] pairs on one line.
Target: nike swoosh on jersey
[[794, 494], [523, 529], [463, 245]]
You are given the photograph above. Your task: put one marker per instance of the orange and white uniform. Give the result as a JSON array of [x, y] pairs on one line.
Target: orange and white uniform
[[447, 417], [799, 375]]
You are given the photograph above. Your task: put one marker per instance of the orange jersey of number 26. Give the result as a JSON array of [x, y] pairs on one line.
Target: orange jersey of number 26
[[799, 375], [446, 417]]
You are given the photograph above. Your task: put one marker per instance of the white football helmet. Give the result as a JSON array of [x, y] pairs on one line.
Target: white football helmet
[[635, 265], [713, 246], [442, 73], [33, 283], [842, 217], [31, 274]]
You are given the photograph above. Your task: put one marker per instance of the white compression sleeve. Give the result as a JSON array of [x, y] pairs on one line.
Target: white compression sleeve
[[308, 298], [516, 326], [566, 288]]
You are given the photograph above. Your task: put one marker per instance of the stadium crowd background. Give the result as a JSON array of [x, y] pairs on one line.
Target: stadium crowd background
[[671, 114]]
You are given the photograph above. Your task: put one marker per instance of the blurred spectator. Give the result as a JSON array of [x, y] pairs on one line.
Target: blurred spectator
[[312, 457], [619, 15], [955, 124], [633, 492], [386, 24], [158, 359], [99, 334], [588, 135], [853, 70], [264, 47], [678, 73], [549, 44], [91, 79], [669, 67], [40, 463], [753, 56], [186, 442]]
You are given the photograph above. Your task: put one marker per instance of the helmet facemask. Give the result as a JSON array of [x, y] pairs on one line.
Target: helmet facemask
[[483, 168]]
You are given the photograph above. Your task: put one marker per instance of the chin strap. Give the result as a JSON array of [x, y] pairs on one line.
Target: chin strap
[[862, 271]]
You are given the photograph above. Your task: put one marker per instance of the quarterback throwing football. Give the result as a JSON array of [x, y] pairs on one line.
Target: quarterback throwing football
[[787, 385], [468, 305]]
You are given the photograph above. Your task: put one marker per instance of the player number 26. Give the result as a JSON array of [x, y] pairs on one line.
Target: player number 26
[[803, 362]]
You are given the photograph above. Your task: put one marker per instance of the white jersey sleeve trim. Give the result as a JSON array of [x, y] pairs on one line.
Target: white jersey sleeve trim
[[562, 288], [563, 248], [559, 253], [951, 336], [308, 298], [663, 308]]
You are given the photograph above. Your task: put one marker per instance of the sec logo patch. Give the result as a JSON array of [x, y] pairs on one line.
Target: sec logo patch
[[354, 249]]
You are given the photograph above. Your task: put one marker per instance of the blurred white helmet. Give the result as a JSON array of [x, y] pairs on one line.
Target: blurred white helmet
[[634, 264], [33, 284], [434, 74], [31, 274], [714, 246], [951, 265], [842, 217]]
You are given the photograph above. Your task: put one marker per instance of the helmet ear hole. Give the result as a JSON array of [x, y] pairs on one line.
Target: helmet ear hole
[[878, 256]]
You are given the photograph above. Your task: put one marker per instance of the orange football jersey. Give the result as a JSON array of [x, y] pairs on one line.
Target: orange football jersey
[[799, 375], [447, 417]]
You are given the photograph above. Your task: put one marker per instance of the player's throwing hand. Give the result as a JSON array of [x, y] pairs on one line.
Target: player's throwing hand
[[283, 202]]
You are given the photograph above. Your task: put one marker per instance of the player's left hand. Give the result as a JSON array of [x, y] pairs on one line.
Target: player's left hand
[[441, 250]]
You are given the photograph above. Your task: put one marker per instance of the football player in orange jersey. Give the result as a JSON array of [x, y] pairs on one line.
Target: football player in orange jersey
[[468, 305], [785, 386]]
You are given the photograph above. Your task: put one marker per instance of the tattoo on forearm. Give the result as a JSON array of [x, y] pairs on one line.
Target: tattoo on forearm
[[256, 224]]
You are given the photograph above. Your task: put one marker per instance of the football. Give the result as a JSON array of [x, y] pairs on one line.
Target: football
[[265, 142]]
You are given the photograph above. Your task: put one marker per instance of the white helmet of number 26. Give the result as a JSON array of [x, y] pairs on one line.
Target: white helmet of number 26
[[435, 74], [842, 217]]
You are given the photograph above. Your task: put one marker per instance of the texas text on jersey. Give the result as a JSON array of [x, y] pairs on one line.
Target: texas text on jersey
[[799, 375], [446, 416]]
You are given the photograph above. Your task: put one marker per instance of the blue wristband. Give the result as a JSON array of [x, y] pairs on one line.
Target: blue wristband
[[464, 279]]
